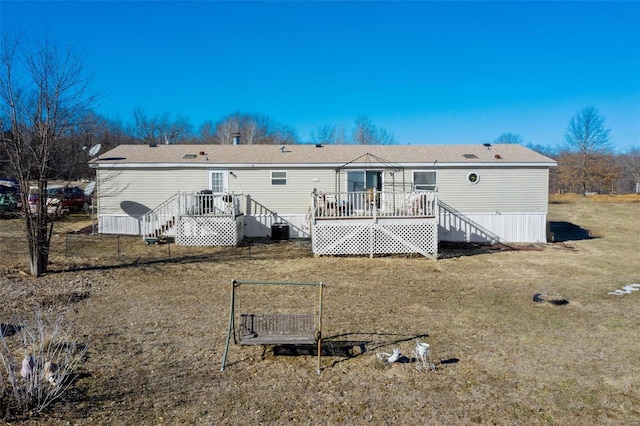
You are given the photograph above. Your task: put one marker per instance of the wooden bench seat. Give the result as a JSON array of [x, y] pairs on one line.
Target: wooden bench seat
[[276, 329]]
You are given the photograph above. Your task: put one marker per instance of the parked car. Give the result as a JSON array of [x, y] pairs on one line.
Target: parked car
[[9, 186], [9, 197], [66, 198], [8, 205]]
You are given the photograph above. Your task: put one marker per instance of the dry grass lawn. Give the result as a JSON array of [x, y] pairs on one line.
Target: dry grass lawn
[[156, 331]]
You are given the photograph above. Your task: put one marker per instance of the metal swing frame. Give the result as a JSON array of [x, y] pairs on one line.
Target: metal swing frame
[[275, 329]]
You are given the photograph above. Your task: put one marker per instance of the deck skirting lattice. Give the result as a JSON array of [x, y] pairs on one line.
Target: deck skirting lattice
[[209, 231], [375, 237]]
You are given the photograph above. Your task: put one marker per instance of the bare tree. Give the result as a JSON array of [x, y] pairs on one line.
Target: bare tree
[[70, 159], [253, 129], [549, 151], [329, 134], [630, 163], [160, 129], [509, 137], [385, 137], [225, 129], [341, 137], [587, 136], [325, 134], [366, 133], [90, 130], [206, 132], [602, 173], [43, 93]]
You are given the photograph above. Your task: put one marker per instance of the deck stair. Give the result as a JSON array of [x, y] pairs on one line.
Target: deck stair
[[158, 223], [194, 218]]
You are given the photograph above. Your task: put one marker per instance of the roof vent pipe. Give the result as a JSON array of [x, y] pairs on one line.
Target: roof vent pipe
[[236, 138]]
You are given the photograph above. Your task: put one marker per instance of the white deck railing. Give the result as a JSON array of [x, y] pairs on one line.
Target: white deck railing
[[162, 219], [198, 204], [374, 203]]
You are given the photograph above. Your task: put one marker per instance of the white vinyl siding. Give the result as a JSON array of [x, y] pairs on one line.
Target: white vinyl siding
[[490, 228], [497, 190], [294, 198], [136, 191], [119, 224]]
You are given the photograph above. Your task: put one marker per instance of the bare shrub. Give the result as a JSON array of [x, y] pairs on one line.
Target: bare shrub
[[39, 364]]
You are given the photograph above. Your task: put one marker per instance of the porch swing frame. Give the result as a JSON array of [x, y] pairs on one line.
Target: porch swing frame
[[275, 329]]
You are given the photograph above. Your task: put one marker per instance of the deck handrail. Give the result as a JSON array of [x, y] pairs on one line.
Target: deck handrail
[[158, 220], [356, 204], [161, 220], [204, 204]]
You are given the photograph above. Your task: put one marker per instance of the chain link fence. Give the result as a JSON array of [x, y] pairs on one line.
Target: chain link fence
[[122, 249]]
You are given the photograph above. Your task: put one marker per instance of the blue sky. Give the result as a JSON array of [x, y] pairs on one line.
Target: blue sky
[[428, 72]]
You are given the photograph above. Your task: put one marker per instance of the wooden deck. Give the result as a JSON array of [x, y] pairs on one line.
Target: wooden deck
[[375, 223], [368, 204]]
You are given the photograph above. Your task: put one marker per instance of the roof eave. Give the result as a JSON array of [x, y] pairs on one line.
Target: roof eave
[[436, 164]]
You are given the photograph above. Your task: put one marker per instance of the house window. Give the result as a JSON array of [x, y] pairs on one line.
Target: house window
[[473, 178], [362, 180], [278, 178], [218, 182], [424, 180]]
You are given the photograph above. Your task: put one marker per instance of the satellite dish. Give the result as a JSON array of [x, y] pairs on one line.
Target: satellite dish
[[95, 150], [89, 189]]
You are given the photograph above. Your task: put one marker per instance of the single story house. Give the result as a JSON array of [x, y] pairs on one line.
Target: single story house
[[346, 198]]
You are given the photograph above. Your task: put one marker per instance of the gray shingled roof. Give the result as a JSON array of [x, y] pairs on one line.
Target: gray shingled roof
[[327, 154]]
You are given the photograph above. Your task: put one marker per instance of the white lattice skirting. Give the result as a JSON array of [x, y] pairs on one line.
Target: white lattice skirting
[[209, 231], [382, 237]]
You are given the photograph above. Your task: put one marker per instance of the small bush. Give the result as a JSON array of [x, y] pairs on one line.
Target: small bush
[[39, 363]]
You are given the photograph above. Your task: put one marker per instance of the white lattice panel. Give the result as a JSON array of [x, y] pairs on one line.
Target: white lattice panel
[[208, 231], [382, 237]]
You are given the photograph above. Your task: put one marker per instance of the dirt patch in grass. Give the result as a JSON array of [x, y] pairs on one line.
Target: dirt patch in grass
[[157, 326]]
